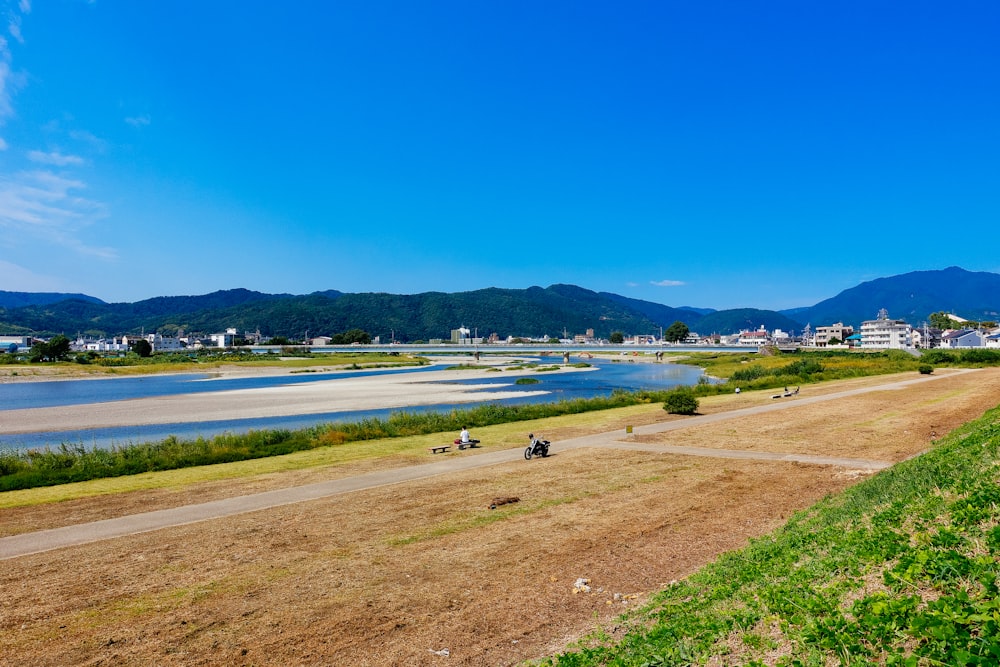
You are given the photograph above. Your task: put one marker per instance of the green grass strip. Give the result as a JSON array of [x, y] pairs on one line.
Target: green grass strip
[[69, 462], [901, 569]]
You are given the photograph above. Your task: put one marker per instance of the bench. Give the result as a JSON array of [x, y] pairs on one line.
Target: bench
[[439, 448], [467, 445]]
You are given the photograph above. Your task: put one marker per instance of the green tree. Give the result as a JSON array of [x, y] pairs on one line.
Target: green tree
[[942, 320], [55, 349], [142, 347], [681, 401], [676, 332], [351, 336], [617, 337]]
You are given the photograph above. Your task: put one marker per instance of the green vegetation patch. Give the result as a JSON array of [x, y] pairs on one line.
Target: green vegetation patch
[[754, 371], [68, 462], [901, 569]]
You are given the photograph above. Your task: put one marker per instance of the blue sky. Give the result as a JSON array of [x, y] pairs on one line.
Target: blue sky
[[712, 154]]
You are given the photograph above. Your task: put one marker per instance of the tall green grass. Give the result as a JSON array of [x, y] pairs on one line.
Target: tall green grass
[[75, 463], [753, 371], [902, 569]]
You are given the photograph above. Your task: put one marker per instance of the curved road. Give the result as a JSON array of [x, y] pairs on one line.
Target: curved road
[[56, 538]]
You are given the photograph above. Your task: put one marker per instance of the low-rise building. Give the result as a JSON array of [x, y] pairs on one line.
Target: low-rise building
[[102, 345], [926, 337], [883, 333], [824, 335], [227, 339], [961, 338], [754, 338], [20, 342]]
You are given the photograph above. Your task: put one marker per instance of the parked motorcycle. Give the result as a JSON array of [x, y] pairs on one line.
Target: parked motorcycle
[[537, 447]]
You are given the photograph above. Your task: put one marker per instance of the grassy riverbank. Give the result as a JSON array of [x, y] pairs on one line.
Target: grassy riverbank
[[205, 361], [72, 462], [75, 463], [901, 569], [758, 371]]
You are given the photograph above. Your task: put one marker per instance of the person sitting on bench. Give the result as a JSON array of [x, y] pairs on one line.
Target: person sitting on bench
[[464, 440]]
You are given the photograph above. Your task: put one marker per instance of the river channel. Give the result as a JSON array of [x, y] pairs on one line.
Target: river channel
[[610, 375]]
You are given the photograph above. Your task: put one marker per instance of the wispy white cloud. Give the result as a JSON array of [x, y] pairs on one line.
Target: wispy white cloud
[[138, 121], [45, 205], [631, 284], [15, 30], [667, 283], [3, 144], [89, 139], [25, 6], [54, 158], [6, 81]]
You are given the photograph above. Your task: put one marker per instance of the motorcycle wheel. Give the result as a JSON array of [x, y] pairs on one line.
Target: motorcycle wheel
[[545, 452], [527, 454]]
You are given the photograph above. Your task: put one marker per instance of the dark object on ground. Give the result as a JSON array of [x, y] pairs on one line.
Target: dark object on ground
[[497, 502]]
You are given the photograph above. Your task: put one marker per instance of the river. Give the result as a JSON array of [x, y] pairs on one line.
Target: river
[[611, 375]]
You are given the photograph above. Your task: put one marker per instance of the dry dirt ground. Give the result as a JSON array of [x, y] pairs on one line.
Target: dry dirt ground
[[397, 574]]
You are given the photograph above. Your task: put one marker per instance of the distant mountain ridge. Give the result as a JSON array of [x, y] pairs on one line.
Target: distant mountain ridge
[[22, 299], [552, 311], [912, 297]]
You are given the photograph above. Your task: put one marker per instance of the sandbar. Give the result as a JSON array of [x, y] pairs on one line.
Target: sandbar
[[365, 392]]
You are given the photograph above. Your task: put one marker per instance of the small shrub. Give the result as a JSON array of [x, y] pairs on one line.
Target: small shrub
[[925, 369], [681, 401], [526, 381]]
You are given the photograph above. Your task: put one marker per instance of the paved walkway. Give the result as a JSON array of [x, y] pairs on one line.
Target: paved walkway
[[56, 538]]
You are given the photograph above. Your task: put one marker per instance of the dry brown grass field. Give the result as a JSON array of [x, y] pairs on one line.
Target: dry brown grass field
[[395, 575]]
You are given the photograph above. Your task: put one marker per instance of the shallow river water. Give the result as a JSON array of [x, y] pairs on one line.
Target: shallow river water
[[609, 376]]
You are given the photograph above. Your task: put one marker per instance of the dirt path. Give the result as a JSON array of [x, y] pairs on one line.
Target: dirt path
[[395, 573]]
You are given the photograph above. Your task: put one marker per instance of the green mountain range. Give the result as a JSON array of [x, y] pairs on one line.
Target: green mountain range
[[553, 311]]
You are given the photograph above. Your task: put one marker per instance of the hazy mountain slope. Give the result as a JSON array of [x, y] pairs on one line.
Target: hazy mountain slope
[[736, 320], [22, 299], [912, 297], [536, 311], [531, 312], [657, 312]]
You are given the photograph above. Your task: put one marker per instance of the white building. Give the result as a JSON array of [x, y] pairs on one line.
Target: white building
[[754, 338], [114, 344], [840, 331], [22, 342], [227, 339], [463, 336], [885, 334]]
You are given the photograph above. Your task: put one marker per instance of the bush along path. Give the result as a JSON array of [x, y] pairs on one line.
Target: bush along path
[[902, 569]]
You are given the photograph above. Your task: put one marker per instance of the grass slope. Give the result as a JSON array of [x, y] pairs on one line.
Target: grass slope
[[901, 569]]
